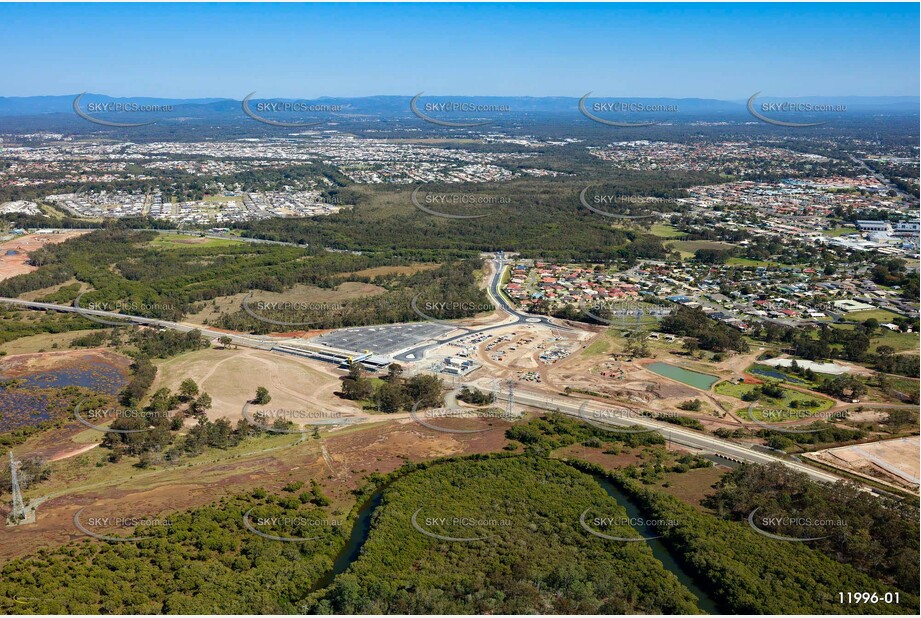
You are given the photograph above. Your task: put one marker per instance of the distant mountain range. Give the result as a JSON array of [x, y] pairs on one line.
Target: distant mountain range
[[399, 105]]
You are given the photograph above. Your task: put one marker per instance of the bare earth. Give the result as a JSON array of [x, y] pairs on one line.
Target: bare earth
[[231, 377], [895, 462], [15, 263]]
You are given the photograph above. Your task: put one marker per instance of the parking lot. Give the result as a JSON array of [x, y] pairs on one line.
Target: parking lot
[[386, 340]]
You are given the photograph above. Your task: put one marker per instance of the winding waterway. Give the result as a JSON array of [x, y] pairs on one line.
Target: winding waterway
[[357, 537], [662, 553], [362, 527]]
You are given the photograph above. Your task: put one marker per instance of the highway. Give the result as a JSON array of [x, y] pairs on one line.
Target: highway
[[673, 433], [251, 341], [679, 435], [266, 342]]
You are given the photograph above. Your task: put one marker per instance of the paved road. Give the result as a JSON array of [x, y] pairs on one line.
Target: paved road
[[267, 342], [676, 434], [673, 433], [881, 178], [495, 295], [250, 341]]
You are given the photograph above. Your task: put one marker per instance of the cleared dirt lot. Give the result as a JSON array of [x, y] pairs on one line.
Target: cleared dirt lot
[[515, 351], [231, 377], [15, 253], [892, 461]]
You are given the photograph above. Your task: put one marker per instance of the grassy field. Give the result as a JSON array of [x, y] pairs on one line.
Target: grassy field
[[789, 395], [231, 377], [666, 231], [901, 342], [383, 271], [881, 315], [687, 247], [42, 342], [840, 231], [177, 241], [904, 385], [75, 475], [306, 294], [602, 345], [691, 486], [611, 340]]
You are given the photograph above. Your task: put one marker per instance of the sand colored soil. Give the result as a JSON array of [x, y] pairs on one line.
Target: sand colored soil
[[231, 378], [896, 461], [14, 254], [340, 461]]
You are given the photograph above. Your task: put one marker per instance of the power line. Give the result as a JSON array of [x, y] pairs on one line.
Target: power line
[[19, 509]]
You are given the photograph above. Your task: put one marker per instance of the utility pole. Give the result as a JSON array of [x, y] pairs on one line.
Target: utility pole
[[19, 509]]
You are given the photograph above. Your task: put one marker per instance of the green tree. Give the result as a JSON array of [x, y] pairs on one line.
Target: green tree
[[201, 404], [262, 396], [188, 389]]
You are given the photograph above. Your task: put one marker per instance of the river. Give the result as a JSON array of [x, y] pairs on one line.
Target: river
[[662, 553], [357, 537], [362, 527]]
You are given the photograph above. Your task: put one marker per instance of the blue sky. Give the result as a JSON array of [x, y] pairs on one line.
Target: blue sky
[[724, 51]]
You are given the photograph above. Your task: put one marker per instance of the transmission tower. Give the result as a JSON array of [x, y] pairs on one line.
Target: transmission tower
[[19, 509], [508, 409]]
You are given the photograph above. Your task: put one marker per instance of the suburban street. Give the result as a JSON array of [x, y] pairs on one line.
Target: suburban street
[[678, 435], [502, 305]]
